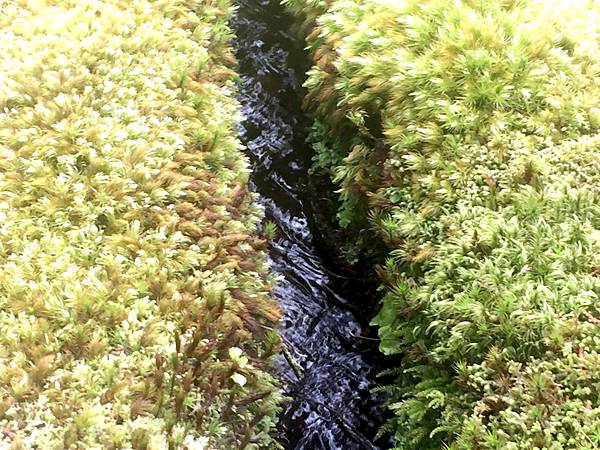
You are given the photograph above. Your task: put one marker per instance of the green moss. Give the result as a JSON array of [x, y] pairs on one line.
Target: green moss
[[135, 305], [475, 157]]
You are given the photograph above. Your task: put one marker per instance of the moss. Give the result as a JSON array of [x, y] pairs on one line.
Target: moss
[[474, 152], [135, 305]]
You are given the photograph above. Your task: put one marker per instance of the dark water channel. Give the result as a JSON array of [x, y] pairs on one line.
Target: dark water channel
[[332, 406]]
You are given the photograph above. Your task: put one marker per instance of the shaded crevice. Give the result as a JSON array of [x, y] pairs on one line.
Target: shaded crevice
[[326, 305]]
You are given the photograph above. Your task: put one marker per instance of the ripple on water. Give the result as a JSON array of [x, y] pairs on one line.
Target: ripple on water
[[332, 406]]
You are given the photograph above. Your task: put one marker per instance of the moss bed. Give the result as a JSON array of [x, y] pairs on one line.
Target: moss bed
[[135, 305], [466, 136]]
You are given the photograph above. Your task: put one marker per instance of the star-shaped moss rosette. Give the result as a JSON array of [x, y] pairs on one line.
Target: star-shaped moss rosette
[[465, 136], [132, 282]]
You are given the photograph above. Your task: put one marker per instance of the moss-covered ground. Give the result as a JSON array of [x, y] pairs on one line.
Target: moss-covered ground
[[135, 305], [466, 136]]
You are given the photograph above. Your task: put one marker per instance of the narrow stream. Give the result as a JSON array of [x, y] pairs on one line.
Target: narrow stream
[[331, 405]]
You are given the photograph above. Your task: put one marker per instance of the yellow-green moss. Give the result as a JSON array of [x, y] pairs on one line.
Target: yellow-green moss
[[466, 136], [135, 306]]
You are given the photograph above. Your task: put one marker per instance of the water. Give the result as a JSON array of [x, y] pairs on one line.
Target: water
[[332, 406]]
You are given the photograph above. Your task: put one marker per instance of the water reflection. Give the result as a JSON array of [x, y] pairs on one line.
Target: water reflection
[[332, 406]]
